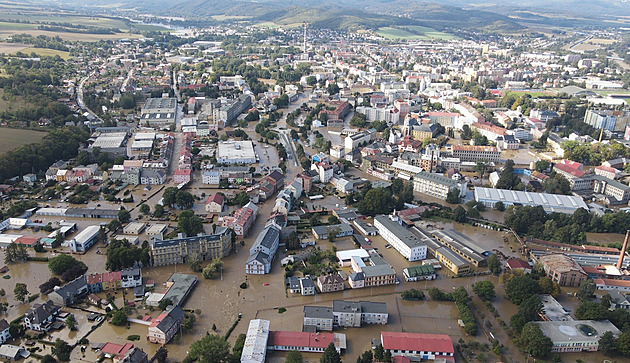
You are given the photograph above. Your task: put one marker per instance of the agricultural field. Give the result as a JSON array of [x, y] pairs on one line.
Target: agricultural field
[[9, 48], [532, 93], [44, 52], [14, 138], [413, 32]]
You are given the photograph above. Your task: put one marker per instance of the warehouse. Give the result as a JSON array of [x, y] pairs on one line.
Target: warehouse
[[462, 245], [111, 143], [236, 152], [408, 244], [550, 202], [85, 239]]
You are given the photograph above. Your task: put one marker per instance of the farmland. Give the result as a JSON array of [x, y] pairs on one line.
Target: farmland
[[43, 52], [413, 33], [14, 138]]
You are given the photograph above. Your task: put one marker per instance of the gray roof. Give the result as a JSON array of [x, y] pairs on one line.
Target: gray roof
[[305, 282], [436, 178], [260, 257], [179, 290], [550, 202], [359, 306], [323, 230], [320, 312], [175, 241], [408, 238], [568, 331], [357, 276], [268, 237], [175, 314], [160, 103], [72, 288]]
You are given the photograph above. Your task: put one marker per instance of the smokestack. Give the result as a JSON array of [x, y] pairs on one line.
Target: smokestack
[[623, 250]]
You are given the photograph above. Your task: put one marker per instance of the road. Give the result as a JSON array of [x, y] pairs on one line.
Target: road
[[80, 97]]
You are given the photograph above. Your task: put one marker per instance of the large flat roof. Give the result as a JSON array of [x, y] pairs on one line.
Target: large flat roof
[[111, 140], [236, 150], [255, 346], [408, 238], [550, 202], [574, 331]]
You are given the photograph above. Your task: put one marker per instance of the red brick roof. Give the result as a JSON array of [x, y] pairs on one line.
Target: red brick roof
[[569, 170], [514, 263], [300, 339], [217, 198], [418, 342]]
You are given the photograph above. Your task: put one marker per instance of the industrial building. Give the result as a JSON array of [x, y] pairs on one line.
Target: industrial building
[[159, 112], [462, 245], [405, 242], [255, 346], [84, 240], [114, 143], [576, 335], [236, 152], [550, 202], [563, 270]]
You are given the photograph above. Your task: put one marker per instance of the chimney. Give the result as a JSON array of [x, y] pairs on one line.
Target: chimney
[[623, 250]]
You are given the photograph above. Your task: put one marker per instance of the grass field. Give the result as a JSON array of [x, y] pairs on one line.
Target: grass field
[[14, 138], [532, 93], [69, 36], [9, 48], [413, 32], [43, 52], [11, 103]]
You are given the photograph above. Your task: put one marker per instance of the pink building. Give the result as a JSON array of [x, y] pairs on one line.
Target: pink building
[[182, 176]]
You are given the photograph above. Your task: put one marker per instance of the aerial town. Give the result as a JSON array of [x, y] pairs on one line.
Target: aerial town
[[174, 190]]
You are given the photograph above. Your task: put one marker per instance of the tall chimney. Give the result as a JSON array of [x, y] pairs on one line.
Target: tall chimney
[[623, 250]]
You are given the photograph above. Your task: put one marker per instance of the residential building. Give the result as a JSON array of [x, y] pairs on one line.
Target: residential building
[[390, 114], [224, 115], [166, 325], [348, 314], [41, 316], [214, 204], [182, 176], [307, 287], [563, 270], [416, 345], [612, 285], [211, 177], [320, 317], [70, 293], [330, 283], [618, 301], [205, 246], [550, 202], [514, 264], [263, 251], [255, 347], [405, 242], [612, 120], [612, 188], [152, 177], [242, 219], [4, 331], [576, 335], [476, 153], [343, 230], [436, 185]]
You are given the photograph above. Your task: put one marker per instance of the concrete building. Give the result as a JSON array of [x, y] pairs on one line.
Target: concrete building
[[166, 325], [159, 112], [305, 341], [419, 273], [343, 230], [612, 120], [85, 239], [550, 202], [255, 347], [576, 335], [475, 153], [405, 242], [462, 245], [210, 177], [225, 114], [416, 345], [349, 314], [320, 317], [563, 270], [178, 250], [436, 185], [236, 152]]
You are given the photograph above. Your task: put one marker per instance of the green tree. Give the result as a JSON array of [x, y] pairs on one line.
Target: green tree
[[589, 310], [48, 359], [168, 198], [119, 318], [548, 286], [330, 355], [480, 168], [124, 216], [379, 353], [240, 199], [184, 200], [71, 322], [452, 196], [15, 253], [366, 357], [145, 209], [333, 219], [541, 165], [165, 303], [484, 289], [189, 223], [20, 292], [188, 322], [520, 288], [212, 348], [608, 344], [494, 264], [623, 343], [62, 263], [212, 268], [62, 350], [121, 254], [534, 342], [294, 357], [376, 201], [459, 214], [358, 120], [585, 290], [114, 225], [499, 206], [508, 180], [158, 210], [161, 354]]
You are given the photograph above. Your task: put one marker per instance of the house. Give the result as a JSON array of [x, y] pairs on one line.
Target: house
[[419, 273], [70, 293], [166, 325], [343, 230], [4, 331], [320, 317], [181, 176], [263, 251], [514, 264], [41, 316], [307, 286], [618, 301], [11, 352], [133, 355], [330, 283], [214, 204], [293, 283]]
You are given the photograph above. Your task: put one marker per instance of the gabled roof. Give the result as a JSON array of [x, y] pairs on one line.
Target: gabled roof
[[216, 198]]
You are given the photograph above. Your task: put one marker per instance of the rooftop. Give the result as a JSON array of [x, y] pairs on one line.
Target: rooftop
[[417, 342], [576, 330], [550, 202]]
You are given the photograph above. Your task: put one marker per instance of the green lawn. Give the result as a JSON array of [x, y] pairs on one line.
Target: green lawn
[[430, 32], [43, 52], [13, 138], [533, 93], [413, 32], [393, 33]]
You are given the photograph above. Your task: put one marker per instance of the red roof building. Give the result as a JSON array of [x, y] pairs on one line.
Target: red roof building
[[114, 350], [425, 346], [568, 170], [26, 241], [518, 264]]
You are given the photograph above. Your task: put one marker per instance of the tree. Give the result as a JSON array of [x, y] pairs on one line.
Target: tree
[[548, 286], [332, 233], [585, 290], [124, 216], [379, 353], [189, 223], [121, 254], [145, 209], [71, 322], [376, 201], [332, 88], [15, 253], [212, 348], [158, 210], [49, 285], [240, 199], [194, 262], [494, 264], [61, 263], [62, 350], [184, 200], [541, 165], [161, 354], [459, 214], [333, 220], [330, 355], [293, 241], [520, 288], [212, 268], [165, 303], [623, 343], [114, 225], [119, 318], [589, 310], [294, 357], [168, 198], [480, 168], [508, 180], [608, 343], [452, 196], [20, 292], [188, 322], [534, 342], [499, 206], [484, 289], [48, 359], [366, 357], [358, 120]]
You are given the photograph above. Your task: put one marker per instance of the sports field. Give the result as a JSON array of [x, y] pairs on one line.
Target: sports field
[[413, 32], [14, 138]]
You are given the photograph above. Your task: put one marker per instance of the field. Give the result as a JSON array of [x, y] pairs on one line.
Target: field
[[13, 138], [12, 103], [42, 52], [413, 32], [228, 17], [533, 93], [8, 48]]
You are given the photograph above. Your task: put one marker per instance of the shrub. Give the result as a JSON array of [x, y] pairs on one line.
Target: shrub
[[133, 337]]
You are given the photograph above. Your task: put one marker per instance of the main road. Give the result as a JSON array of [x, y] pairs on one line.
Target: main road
[[80, 96]]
